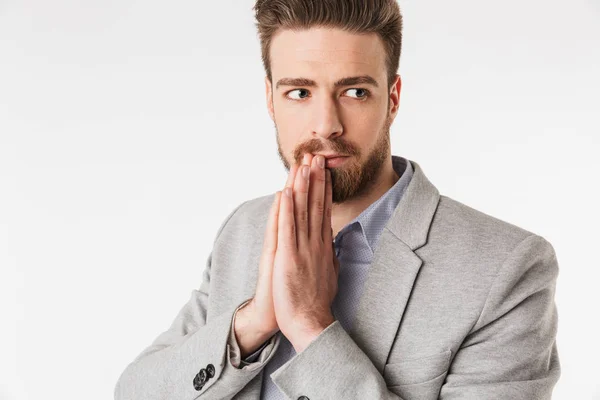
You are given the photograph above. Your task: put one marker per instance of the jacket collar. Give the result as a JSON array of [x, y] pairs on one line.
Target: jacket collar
[[412, 217]]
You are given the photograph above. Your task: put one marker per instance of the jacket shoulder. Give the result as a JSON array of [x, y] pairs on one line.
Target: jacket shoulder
[[248, 219], [458, 224]]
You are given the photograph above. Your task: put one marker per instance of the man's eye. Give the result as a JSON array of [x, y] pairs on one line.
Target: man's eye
[[303, 91], [365, 93]]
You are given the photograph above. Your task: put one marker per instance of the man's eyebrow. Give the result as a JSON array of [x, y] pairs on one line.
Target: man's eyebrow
[[349, 81]]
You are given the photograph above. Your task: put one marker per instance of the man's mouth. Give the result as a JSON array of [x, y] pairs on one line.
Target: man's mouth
[[335, 161]]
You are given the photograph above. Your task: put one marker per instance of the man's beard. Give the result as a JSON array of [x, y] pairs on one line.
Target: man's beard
[[353, 179]]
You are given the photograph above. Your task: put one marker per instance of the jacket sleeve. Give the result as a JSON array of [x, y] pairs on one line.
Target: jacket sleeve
[[511, 351], [509, 354], [235, 354], [191, 359]]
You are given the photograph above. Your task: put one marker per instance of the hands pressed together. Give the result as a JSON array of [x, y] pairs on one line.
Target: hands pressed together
[[298, 271]]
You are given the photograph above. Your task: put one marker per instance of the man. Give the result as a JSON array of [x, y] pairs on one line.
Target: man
[[358, 280]]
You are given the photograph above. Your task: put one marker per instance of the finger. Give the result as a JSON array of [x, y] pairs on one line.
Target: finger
[[265, 267], [300, 196], [327, 228], [286, 229], [270, 241], [291, 176], [316, 198], [269, 244]]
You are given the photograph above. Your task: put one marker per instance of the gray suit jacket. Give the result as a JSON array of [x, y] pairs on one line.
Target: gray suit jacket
[[457, 305]]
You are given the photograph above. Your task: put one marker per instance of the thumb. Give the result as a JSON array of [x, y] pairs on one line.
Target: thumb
[[270, 241]]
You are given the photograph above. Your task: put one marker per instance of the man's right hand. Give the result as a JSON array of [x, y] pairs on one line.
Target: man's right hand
[[255, 322]]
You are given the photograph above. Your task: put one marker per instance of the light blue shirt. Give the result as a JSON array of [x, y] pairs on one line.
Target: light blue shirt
[[356, 242], [354, 245]]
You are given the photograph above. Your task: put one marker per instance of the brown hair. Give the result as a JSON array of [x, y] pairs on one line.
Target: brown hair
[[355, 16]]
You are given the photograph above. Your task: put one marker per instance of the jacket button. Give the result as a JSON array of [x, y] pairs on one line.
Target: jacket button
[[197, 384], [303, 398], [202, 376], [210, 370]]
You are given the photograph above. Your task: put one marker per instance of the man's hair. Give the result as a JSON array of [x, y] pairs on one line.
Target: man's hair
[[355, 16]]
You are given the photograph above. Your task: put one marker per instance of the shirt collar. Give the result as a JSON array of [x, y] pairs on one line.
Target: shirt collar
[[374, 218]]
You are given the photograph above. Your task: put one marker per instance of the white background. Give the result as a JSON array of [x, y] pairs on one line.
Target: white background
[[130, 129]]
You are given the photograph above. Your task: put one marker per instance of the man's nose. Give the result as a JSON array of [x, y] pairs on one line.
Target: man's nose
[[326, 120]]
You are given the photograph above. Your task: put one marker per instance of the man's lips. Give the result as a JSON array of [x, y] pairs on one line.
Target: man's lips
[[333, 162], [332, 155]]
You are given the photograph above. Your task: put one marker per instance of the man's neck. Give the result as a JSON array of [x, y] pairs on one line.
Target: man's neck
[[342, 214]]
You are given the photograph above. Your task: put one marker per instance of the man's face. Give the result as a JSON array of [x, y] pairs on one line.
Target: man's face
[[351, 119]]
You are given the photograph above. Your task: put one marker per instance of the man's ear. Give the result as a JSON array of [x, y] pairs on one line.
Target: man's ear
[[269, 96], [395, 96]]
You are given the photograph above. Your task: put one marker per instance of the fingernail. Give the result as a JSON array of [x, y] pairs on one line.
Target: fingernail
[[321, 161], [288, 192], [305, 171], [305, 159]]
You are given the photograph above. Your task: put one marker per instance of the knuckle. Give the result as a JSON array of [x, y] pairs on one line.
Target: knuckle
[[320, 206], [317, 246], [297, 260], [303, 216], [290, 234]]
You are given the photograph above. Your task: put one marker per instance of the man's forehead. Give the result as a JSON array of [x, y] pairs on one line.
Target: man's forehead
[[326, 45], [326, 52], [317, 58], [332, 55]]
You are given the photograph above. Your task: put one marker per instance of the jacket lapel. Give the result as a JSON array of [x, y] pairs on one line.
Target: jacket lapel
[[394, 269]]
